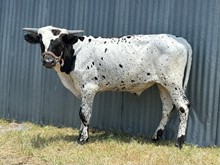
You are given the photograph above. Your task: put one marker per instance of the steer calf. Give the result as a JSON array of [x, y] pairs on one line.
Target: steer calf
[[87, 65]]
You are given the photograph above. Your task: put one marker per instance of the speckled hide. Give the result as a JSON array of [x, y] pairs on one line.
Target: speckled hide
[[87, 65]]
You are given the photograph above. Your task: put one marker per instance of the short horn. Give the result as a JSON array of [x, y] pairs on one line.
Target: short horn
[[75, 31], [31, 30]]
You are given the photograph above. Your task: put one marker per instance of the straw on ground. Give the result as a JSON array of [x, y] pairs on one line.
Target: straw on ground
[[28, 143]]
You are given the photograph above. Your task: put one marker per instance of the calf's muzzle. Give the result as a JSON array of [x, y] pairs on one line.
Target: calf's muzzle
[[49, 59]]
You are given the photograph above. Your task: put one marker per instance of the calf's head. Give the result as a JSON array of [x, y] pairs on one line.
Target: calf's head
[[56, 45]]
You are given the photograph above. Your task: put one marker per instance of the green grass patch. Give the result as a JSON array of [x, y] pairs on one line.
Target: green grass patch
[[28, 143]]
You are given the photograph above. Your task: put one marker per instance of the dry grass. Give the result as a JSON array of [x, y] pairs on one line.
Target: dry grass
[[32, 144]]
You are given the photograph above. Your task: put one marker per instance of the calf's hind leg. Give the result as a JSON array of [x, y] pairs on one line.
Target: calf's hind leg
[[168, 106], [182, 104]]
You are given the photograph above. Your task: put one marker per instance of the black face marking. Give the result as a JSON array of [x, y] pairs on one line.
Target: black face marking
[[56, 46], [42, 47], [55, 32], [121, 66], [41, 44]]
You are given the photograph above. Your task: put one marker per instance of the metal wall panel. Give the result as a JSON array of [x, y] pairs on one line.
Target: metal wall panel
[[30, 92]]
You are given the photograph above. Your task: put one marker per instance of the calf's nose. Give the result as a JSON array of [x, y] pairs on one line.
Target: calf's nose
[[48, 62]]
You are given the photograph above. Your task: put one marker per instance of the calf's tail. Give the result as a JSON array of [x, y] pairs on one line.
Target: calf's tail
[[188, 64]]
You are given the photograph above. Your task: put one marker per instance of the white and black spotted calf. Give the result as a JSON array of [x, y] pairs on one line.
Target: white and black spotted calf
[[87, 65]]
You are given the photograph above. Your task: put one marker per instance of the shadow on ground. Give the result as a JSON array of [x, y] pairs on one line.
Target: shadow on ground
[[97, 136]]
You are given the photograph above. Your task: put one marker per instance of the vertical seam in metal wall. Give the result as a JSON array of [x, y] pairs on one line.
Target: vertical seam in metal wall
[[218, 120], [217, 141]]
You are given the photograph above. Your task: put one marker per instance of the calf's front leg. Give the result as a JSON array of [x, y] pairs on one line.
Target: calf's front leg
[[85, 113]]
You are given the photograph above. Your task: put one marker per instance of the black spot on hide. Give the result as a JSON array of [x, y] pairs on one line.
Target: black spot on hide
[[81, 38], [121, 66], [96, 78], [188, 105], [82, 117], [69, 59], [106, 50], [90, 40], [182, 110]]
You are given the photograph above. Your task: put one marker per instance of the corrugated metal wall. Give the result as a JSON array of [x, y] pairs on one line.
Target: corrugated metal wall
[[30, 92]]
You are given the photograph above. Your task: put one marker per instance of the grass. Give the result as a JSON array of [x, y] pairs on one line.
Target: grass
[[28, 143]]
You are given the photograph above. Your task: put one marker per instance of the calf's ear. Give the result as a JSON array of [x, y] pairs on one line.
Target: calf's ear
[[70, 38], [32, 38]]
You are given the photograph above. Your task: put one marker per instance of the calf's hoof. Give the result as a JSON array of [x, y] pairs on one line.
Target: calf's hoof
[[82, 141], [180, 141], [154, 139], [158, 136]]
